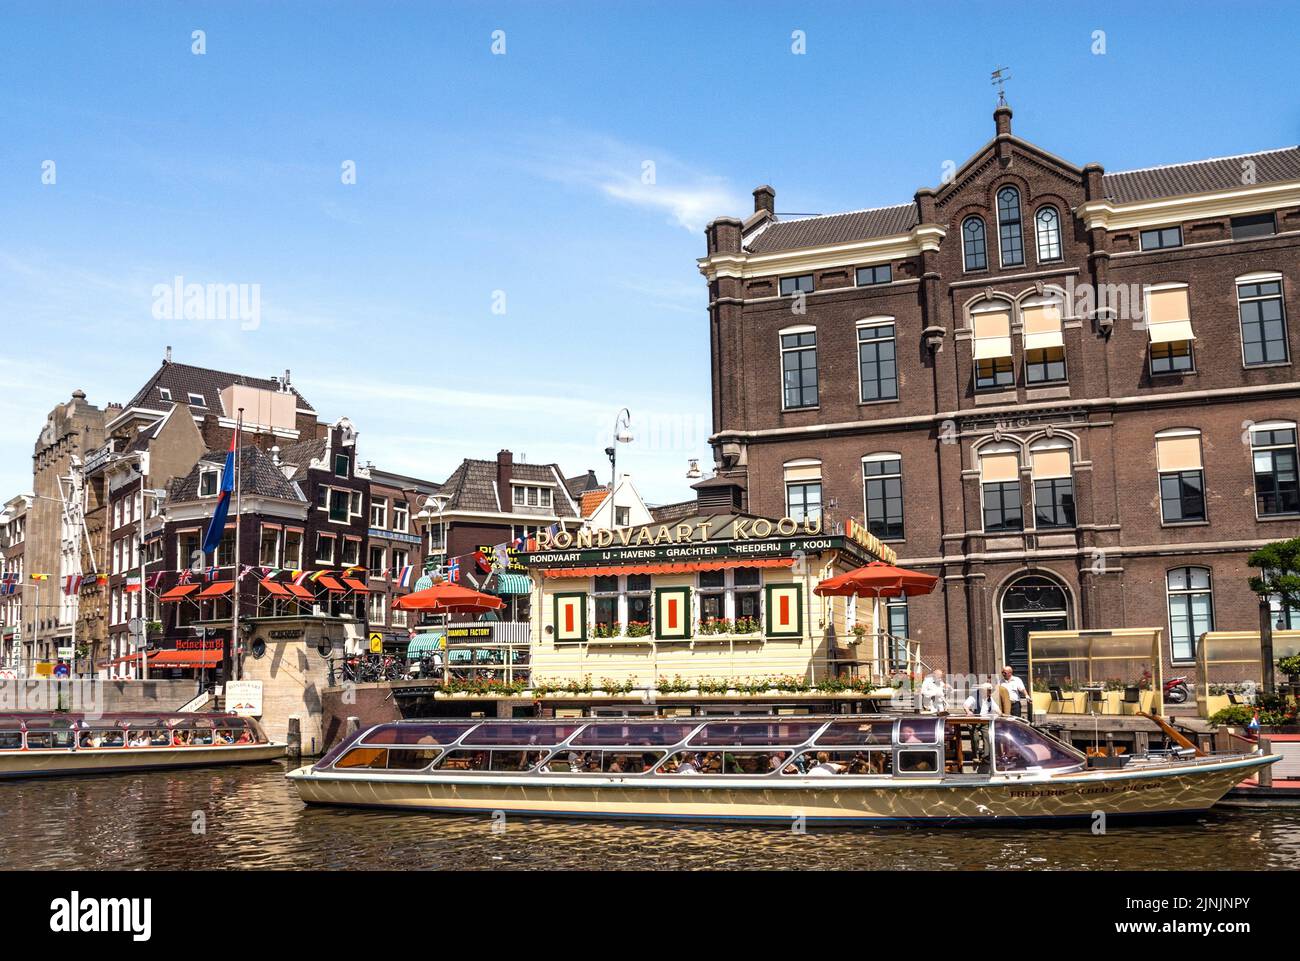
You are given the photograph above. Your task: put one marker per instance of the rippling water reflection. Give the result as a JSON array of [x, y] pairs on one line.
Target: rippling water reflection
[[254, 820]]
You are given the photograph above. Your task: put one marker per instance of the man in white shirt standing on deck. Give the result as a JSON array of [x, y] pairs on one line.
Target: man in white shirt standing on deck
[[1016, 690], [934, 692]]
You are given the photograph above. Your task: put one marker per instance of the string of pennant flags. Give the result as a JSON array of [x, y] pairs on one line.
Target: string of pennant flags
[[481, 562]]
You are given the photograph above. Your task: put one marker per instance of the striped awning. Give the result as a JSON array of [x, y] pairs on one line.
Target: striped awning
[[424, 644], [683, 567], [513, 584]]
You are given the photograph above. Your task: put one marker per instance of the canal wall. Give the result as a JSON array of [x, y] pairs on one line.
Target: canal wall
[[95, 695]]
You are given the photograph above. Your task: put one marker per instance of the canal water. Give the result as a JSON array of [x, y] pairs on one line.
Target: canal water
[[249, 818]]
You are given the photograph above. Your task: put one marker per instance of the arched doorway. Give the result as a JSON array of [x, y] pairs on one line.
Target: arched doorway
[[1030, 603]]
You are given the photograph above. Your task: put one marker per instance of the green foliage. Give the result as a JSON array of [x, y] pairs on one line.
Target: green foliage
[[1279, 567]]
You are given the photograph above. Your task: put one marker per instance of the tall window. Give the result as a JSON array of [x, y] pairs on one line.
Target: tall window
[[1009, 233], [1169, 325], [1191, 609], [606, 594], [1053, 484], [1273, 450], [1044, 341], [1047, 232], [1263, 323], [803, 489], [638, 599], [713, 595], [268, 554], [799, 367], [401, 517], [1000, 486], [877, 361], [991, 334], [1182, 478], [379, 513], [883, 477], [974, 249]]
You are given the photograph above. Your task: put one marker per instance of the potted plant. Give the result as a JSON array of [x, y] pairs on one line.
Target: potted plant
[[638, 628], [746, 625]]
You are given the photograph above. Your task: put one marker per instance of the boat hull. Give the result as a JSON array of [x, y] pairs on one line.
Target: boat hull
[[1146, 793], [23, 764]]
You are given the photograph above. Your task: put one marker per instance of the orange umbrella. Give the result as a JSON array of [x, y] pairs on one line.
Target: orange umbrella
[[878, 579], [447, 598]]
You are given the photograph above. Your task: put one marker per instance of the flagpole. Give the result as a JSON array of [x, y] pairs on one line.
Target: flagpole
[[144, 629], [228, 654]]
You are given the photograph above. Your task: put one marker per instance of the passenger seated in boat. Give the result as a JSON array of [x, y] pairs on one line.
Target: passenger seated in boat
[[219, 737], [825, 767], [160, 739], [712, 763], [247, 738], [907, 734], [688, 765], [859, 764], [774, 761], [139, 739]]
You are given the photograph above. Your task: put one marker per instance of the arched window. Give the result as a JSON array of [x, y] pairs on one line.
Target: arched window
[[1000, 487], [1047, 231], [973, 246], [1033, 594], [1191, 609], [1009, 232], [1049, 462]]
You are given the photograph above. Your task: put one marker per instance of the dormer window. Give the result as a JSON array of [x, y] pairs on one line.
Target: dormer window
[[342, 463], [209, 482], [165, 393], [529, 496], [197, 400]]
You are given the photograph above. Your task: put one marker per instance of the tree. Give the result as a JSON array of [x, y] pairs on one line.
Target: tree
[[1279, 576]]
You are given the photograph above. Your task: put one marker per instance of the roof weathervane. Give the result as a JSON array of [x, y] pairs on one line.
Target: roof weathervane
[[999, 78]]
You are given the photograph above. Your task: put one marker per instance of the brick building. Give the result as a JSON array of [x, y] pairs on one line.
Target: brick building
[[13, 577], [395, 551], [1069, 393]]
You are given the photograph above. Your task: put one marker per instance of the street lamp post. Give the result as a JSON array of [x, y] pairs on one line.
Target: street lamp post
[[622, 435]]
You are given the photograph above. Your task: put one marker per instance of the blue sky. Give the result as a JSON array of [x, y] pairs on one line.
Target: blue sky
[[520, 174]]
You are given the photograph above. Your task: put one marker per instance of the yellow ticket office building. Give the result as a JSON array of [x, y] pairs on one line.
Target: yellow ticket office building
[[719, 597]]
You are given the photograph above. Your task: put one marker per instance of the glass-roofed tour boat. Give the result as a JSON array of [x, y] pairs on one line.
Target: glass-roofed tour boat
[[56, 743], [831, 769]]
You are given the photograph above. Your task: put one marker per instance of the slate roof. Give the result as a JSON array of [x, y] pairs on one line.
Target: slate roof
[[183, 379], [835, 228], [668, 513], [302, 453], [1201, 176], [1125, 186], [472, 487], [258, 476], [582, 483]]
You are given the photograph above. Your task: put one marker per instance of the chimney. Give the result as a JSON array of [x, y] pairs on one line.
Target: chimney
[[1092, 181], [1002, 120], [505, 469], [286, 380], [167, 355], [764, 199]]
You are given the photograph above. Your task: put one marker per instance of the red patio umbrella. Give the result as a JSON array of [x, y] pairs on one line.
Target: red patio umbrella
[[878, 579], [447, 598]]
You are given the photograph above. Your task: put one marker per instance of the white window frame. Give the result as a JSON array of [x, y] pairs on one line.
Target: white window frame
[[1271, 425], [881, 320], [780, 365], [1169, 611], [204, 473], [997, 215], [1060, 235], [1263, 277]]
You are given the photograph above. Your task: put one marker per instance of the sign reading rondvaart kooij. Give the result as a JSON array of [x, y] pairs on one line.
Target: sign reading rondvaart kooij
[[745, 537]]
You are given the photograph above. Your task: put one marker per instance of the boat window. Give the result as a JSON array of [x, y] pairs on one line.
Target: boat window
[[416, 733], [11, 740], [367, 757], [966, 747], [753, 762], [49, 740], [527, 733], [918, 761], [877, 761], [858, 732], [100, 737], [1019, 747], [630, 735], [772, 732], [411, 759], [919, 731], [464, 761], [515, 761]]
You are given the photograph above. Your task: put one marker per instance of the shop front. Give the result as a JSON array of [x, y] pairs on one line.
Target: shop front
[[710, 604]]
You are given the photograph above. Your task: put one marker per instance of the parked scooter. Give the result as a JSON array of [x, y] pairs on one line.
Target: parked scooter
[[1176, 690]]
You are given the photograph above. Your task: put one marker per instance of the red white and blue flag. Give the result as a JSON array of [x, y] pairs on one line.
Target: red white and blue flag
[[217, 529], [453, 570], [404, 576]]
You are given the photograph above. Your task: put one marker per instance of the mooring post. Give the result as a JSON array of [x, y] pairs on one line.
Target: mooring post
[[354, 723], [1266, 772], [293, 739]]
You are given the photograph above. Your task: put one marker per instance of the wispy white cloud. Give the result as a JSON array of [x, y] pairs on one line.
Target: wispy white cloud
[[638, 176]]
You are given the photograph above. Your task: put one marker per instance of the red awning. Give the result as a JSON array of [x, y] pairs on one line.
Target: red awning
[[210, 658], [179, 591], [297, 590], [331, 585], [217, 589], [356, 585], [275, 587], [682, 567]]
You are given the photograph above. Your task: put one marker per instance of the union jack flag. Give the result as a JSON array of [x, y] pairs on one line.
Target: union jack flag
[[186, 576]]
